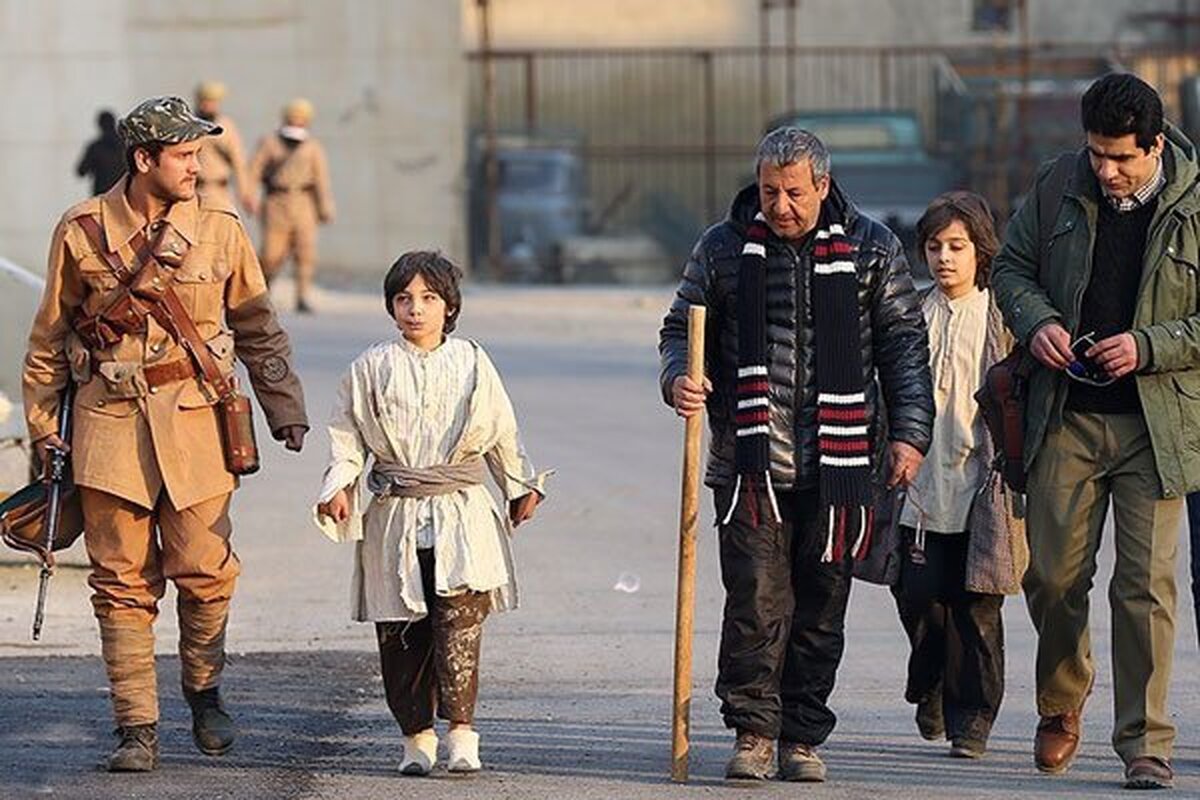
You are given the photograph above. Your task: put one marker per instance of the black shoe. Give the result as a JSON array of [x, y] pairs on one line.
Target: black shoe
[[213, 730], [302, 307], [137, 750], [963, 747], [930, 721]]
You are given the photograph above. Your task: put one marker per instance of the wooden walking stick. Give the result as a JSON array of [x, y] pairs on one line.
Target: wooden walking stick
[[685, 590]]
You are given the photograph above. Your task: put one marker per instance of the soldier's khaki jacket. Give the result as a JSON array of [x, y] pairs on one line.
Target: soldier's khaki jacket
[[294, 178], [222, 159], [128, 439]]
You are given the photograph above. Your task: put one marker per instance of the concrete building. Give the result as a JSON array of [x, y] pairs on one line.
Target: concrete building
[[386, 76]]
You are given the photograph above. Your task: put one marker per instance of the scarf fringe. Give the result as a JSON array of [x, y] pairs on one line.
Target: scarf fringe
[[835, 533], [753, 494]]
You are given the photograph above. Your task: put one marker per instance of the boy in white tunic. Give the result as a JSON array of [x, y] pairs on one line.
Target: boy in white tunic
[[425, 419]]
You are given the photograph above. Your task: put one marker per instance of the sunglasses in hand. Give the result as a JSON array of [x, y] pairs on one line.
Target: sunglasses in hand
[[1085, 369]]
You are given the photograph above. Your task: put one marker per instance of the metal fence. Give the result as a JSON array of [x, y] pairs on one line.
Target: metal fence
[[670, 134]]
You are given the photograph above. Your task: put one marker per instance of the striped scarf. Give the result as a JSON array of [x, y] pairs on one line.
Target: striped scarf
[[843, 439]]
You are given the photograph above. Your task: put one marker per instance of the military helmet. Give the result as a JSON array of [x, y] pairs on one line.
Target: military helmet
[[168, 120]]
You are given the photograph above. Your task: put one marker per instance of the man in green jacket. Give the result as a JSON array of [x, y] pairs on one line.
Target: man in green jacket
[[1098, 279]]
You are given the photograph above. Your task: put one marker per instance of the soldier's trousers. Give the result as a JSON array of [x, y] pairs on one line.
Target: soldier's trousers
[[134, 551], [431, 666], [1090, 460], [290, 229]]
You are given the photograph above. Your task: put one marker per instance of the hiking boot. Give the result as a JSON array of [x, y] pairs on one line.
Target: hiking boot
[[800, 762], [1149, 772], [930, 720], [213, 730], [753, 758], [137, 751]]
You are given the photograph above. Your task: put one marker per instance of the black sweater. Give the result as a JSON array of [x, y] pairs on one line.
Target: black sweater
[[1110, 299]]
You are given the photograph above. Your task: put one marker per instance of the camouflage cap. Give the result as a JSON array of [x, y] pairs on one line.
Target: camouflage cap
[[163, 119]]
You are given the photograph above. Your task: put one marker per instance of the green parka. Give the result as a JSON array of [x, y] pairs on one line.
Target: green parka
[[1166, 321]]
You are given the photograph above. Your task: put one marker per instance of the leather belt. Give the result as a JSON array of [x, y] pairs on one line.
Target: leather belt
[[291, 189], [170, 372]]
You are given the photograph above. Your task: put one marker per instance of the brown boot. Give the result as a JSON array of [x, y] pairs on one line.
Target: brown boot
[[137, 751], [800, 762], [1056, 742], [753, 758]]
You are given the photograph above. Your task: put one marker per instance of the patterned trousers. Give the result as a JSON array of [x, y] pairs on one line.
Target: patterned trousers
[[431, 666]]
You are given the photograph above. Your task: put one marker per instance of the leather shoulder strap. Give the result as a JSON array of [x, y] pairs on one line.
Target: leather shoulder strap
[[189, 337], [193, 342], [90, 223]]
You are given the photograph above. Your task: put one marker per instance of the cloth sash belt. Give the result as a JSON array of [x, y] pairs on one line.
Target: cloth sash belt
[[395, 480]]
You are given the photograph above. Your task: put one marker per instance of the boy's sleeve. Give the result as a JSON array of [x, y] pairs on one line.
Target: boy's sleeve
[[347, 457], [510, 466]]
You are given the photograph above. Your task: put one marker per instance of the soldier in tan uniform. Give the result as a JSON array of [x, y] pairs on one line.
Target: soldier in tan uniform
[[222, 160], [146, 449], [290, 165]]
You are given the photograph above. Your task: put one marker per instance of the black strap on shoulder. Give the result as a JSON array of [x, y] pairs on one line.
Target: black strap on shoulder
[[1050, 199]]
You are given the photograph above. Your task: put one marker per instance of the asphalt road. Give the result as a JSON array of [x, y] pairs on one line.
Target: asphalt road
[[575, 698]]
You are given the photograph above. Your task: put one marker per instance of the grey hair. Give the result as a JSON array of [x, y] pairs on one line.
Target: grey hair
[[789, 145]]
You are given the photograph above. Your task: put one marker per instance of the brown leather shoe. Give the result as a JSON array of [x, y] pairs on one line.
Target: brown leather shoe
[[1149, 772], [1056, 742], [753, 758]]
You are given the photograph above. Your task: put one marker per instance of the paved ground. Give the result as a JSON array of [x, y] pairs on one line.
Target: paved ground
[[576, 685]]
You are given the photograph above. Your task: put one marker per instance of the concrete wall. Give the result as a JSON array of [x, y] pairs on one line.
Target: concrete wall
[[713, 23], [386, 76]]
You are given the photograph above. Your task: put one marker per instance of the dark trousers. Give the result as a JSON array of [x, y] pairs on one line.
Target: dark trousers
[[957, 636], [1193, 511], [431, 666], [782, 632]]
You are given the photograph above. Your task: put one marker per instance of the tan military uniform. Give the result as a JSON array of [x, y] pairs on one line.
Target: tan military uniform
[[145, 446], [223, 161], [298, 198]]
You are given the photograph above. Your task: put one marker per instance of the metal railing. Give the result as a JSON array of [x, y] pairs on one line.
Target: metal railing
[[673, 130]]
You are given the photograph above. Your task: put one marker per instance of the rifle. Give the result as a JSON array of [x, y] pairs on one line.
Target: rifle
[[54, 475]]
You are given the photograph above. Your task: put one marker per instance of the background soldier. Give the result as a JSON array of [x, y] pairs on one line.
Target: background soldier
[[222, 158], [290, 164], [103, 159], [146, 451]]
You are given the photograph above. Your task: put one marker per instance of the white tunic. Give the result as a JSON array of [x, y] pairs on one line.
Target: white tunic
[[940, 497], [400, 404]]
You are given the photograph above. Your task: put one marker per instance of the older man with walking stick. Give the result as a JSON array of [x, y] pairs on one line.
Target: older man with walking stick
[[813, 329]]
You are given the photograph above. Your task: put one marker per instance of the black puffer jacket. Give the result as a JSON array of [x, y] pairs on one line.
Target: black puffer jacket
[[894, 342]]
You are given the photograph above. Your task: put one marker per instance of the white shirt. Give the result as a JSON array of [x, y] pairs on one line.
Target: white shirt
[[403, 405], [939, 499]]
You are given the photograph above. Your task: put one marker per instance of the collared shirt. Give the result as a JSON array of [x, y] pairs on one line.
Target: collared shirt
[[402, 405], [940, 497], [1145, 194]]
